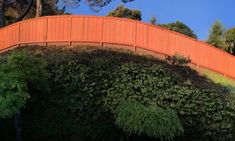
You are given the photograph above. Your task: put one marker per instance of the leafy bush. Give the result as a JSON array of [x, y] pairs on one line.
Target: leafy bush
[[180, 27], [87, 85], [153, 121], [178, 59], [73, 111], [204, 113]]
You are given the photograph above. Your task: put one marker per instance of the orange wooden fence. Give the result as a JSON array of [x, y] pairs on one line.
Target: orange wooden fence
[[92, 29]]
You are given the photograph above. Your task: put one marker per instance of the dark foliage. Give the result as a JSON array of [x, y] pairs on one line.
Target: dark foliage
[[123, 12], [93, 4], [88, 84], [180, 27]]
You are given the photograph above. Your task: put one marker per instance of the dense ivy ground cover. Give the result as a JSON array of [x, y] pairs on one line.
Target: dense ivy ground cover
[[88, 84]]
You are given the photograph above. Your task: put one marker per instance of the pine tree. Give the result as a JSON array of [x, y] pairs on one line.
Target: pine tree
[[229, 37], [216, 35]]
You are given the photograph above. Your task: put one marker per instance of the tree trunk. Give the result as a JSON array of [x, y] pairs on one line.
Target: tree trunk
[[39, 8], [18, 127], [2, 9]]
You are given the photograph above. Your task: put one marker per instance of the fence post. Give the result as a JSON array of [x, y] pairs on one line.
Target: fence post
[[225, 64], [135, 36], [46, 32], [70, 32], [147, 37], [167, 51], [18, 35], [102, 32], [198, 55]]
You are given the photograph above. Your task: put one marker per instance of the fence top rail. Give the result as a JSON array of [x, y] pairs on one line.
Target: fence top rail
[[104, 17]]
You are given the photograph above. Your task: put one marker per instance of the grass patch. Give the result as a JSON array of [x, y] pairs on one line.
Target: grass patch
[[220, 79]]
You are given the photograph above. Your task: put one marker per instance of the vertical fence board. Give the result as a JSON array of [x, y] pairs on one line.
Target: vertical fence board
[[32, 31], [212, 58], [141, 35], [58, 29], [157, 40], [118, 31], [1, 40], [83, 29]]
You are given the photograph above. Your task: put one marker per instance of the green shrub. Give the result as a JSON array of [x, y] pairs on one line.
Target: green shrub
[[178, 59], [204, 113], [153, 121], [87, 86], [73, 111]]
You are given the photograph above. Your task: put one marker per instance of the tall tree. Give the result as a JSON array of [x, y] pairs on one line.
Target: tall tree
[[180, 27], [216, 35], [123, 12], [229, 37]]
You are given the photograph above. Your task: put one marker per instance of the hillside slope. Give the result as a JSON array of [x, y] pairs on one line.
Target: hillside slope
[[87, 84]]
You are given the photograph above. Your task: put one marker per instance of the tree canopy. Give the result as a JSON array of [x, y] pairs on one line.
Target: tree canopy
[[93, 4], [180, 27], [14, 10], [123, 12], [229, 36], [216, 35]]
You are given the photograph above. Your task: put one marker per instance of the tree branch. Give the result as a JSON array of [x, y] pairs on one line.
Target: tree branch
[[30, 4]]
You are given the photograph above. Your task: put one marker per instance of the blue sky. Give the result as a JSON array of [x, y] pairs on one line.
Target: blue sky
[[197, 14]]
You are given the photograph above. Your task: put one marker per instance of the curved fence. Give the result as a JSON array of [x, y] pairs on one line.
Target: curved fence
[[139, 35]]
